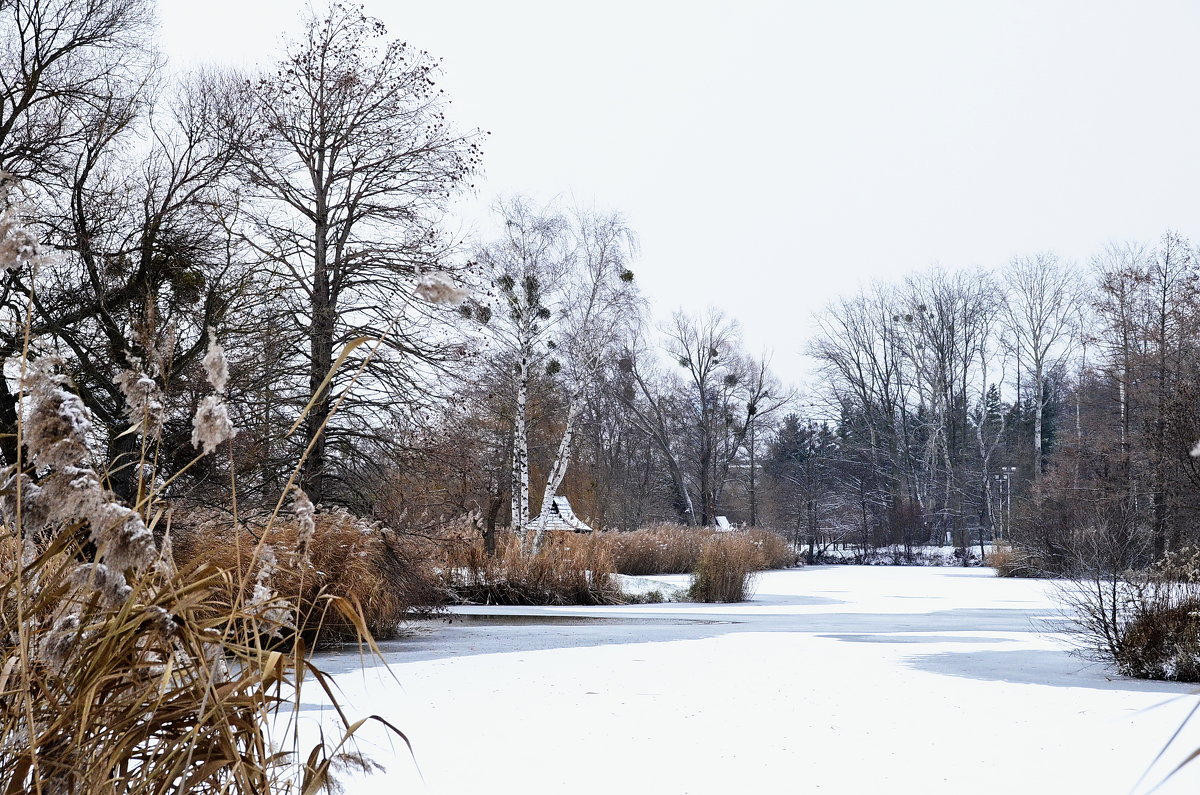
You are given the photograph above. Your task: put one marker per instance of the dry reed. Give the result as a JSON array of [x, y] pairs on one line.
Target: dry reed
[[120, 675], [570, 569], [726, 567], [326, 556], [675, 549]]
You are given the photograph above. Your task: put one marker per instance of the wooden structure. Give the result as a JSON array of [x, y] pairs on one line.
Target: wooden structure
[[723, 524], [561, 517]]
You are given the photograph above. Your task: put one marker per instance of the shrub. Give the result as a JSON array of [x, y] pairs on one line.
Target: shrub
[[1145, 622], [725, 569], [381, 573], [571, 569], [1010, 561], [1162, 642]]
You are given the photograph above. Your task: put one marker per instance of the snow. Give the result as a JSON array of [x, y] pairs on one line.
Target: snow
[[839, 679], [670, 588]]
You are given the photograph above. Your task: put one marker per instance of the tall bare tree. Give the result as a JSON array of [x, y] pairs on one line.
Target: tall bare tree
[[62, 64], [353, 163], [1042, 311], [528, 263], [73, 76], [599, 310]]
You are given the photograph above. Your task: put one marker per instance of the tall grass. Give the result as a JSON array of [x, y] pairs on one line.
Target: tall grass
[[725, 569], [570, 569], [120, 673], [340, 557], [675, 549], [1012, 561], [578, 568]]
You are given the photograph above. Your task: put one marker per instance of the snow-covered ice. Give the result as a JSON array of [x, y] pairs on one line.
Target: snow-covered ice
[[838, 679]]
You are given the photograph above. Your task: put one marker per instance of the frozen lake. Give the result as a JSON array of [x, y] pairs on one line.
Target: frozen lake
[[838, 679]]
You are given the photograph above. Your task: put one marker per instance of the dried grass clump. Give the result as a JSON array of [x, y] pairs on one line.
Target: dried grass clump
[[315, 560], [570, 569], [119, 674], [675, 549], [774, 551], [1009, 561], [658, 549], [726, 568]]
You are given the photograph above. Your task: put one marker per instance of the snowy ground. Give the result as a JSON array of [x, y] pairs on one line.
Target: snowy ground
[[837, 679]]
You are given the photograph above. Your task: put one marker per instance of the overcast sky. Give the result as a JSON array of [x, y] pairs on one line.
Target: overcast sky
[[775, 155]]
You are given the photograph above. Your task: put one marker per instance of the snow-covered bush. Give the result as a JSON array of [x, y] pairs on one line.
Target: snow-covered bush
[[1146, 622]]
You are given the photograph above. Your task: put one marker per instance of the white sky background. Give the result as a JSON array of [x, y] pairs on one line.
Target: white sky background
[[775, 155]]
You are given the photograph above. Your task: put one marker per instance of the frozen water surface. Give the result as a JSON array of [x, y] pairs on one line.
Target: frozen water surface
[[838, 679]]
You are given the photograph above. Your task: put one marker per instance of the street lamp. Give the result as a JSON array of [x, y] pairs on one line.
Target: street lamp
[[1004, 480]]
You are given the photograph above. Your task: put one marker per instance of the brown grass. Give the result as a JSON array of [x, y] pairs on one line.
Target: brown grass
[[726, 568], [676, 549], [381, 573], [1009, 561], [658, 549], [120, 675], [148, 694], [571, 569]]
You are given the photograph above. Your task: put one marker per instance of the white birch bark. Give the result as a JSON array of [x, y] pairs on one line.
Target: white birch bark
[[559, 470], [520, 497]]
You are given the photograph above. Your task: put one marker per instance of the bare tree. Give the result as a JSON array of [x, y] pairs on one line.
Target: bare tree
[[352, 166], [144, 264], [1042, 313], [73, 76], [62, 64], [701, 421], [528, 263], [599, 308]]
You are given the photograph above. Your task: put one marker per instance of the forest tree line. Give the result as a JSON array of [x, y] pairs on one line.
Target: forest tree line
[[1046, 403], [298, 213]]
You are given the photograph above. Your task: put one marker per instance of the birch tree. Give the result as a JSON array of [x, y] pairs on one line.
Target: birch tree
[[528, 263], [599, 305]]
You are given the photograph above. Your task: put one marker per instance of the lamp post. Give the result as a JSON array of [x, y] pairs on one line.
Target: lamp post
[[1004, 481]]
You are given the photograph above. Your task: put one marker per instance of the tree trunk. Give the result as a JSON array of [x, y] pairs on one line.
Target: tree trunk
[[320, 345], [753, 493], [489, 527], [558, 471], [1039, 406], [124, 457], [520, 506], [8, 423]]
